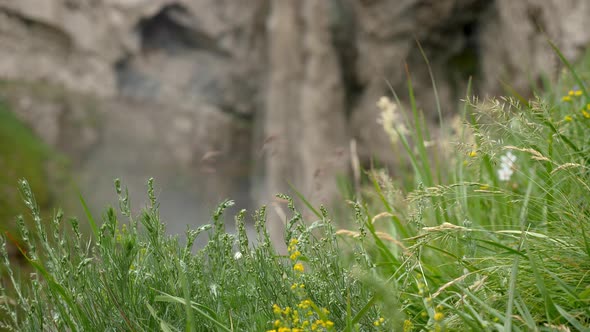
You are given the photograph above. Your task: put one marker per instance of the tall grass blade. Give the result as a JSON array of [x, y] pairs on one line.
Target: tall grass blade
[[511, 294], [571, 319], [540, 282], [89, 216], [419, 134], [525, 313], [305, 201], [163, 325], [190, 324], [433, 82], [205, 312], [359, 315]]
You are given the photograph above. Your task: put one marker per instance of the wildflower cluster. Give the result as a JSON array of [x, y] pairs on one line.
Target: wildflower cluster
[[506, 166], [306, 315], [294, 256], [571, 97], [585, 111], [379, 321], [408, 325], [293, 252]]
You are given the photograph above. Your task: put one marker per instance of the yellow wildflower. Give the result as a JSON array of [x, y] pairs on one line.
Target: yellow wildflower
[[578, 93], [408, 326], [420, 288], [379, 321], [570, 93], [586, 114], [295, 255], [568, 118], [276, 309], [438, 316], [566, 98], [472, 153], [298, 267], [304, 304]]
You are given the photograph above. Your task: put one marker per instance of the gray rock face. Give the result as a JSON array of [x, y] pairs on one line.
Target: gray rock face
[[235, 98], [139, 89]]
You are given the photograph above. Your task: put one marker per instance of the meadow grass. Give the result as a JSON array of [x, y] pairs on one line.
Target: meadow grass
[[490, 232]]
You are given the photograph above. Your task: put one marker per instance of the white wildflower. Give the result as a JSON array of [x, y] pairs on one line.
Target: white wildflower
[[213, 290], [385, 103], [390, 120], [237, 255], [504, 174], [508, 160], [506, 166]]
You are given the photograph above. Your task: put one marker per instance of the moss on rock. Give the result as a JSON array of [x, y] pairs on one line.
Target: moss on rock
[[22, 155]]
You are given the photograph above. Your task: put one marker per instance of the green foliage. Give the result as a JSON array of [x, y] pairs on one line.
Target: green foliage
[[135, 277], [22, 155]]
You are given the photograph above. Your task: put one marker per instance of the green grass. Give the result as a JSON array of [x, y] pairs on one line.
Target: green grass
[[470, 240], [127, 279]]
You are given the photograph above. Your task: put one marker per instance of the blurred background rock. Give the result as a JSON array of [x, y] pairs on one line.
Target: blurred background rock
[[220, 99]]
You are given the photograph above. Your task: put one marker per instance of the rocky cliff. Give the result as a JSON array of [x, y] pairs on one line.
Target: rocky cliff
[[228, 98]]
